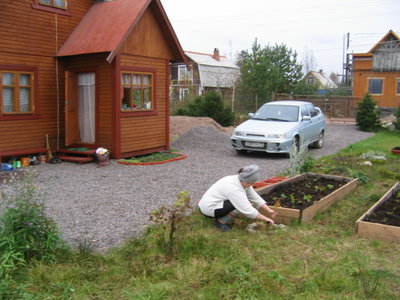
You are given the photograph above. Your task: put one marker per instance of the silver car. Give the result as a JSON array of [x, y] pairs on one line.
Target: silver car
[[279, 124]]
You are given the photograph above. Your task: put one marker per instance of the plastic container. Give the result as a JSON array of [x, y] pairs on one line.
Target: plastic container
[[25, 161], [6, 167], [103, 159]]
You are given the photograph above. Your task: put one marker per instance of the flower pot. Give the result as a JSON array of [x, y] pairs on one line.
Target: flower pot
[[287, 214], [369, 226], [25, 161], [396, 150]]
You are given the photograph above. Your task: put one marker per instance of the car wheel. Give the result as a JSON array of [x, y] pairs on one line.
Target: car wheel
[[320, 142], [241, 151]]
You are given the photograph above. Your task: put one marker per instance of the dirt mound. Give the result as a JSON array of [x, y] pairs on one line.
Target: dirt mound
[[180, 124]]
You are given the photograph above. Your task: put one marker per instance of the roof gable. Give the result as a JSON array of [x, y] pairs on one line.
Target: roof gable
[[390, 36], [107, 24]]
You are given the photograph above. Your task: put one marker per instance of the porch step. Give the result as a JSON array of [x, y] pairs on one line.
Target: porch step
[[77, 155], [77, 159], [77, 152]]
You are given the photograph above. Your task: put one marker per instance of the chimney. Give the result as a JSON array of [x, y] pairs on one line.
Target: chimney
[[216, 54]]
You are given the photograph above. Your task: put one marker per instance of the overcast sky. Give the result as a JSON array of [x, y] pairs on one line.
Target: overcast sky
[[318, 26]]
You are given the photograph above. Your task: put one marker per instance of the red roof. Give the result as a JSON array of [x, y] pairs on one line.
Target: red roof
[[107, 24]]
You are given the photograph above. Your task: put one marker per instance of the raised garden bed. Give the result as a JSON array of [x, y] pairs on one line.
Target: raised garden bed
[[301, 197], [382, 220]]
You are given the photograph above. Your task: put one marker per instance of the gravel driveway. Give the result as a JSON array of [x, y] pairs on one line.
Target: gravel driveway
[[111, 203]]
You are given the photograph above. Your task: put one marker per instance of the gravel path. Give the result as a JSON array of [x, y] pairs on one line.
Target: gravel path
[[111, 203]]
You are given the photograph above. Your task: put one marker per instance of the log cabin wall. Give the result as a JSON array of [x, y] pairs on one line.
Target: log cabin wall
[[30, 39], [363, 70], [146, 49]]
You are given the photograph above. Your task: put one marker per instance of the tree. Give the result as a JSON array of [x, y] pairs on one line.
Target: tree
[[305, 88], [268, 70], [367, 116], [209, 105], [309, 61]]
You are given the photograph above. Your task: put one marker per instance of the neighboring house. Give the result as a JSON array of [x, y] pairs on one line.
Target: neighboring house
[[378, 72], [87, 74], [205, 72], [322, 80]]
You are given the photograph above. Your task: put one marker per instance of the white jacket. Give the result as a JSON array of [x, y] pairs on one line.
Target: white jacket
[[230, 188]]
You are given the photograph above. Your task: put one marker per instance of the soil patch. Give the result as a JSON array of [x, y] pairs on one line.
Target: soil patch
[[300, 195], [180, 124], [388, 212]]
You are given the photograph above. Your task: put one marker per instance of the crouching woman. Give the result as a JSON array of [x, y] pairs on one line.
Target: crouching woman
[[232, 196]]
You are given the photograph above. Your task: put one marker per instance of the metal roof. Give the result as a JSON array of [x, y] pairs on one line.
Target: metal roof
[[209, 60], [107, 24]]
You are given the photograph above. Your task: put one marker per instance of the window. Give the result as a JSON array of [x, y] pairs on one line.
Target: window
[[184, 74], [61, 7], [137, 91], [60, 4], [312, 110], [398, 86], [310, 80], [16, 92], [304, 111], [375, 86], [183, 94]]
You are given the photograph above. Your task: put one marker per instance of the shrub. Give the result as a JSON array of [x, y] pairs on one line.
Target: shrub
[[301, 161], [210, 105], [26, 232], [170, 217], [367, 116], [397, 121]]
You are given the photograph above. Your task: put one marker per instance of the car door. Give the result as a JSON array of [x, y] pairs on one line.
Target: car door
[[305, 125], [315, 124]]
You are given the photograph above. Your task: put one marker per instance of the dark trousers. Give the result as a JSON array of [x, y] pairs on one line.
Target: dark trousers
[[226, 209]]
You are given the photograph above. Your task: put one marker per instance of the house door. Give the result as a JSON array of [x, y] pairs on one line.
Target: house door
[[80, 108]]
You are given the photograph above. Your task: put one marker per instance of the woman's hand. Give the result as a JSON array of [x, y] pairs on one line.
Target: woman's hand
[[273, 214], [269, 221]]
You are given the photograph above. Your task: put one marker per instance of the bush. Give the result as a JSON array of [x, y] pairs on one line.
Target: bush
[[26, 232], [397, 121], [210, 105], [367, 116]]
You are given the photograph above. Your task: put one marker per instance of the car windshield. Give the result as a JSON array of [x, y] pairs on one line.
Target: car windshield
[[282, 113]]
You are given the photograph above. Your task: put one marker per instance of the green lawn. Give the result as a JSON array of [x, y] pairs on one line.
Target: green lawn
[[320, 260]]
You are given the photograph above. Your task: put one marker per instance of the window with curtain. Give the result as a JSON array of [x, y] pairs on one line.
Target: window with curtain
[[375, 86], [61, 4], [398, 86], [137, 91], [16, 92]]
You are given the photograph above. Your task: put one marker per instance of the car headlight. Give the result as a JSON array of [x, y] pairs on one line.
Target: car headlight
[[275, 135], [239, 133]]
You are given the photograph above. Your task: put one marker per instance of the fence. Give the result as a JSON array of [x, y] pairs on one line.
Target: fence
[[343, 107]]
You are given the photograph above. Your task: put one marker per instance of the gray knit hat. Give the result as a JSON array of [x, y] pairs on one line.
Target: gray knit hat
[[249, 174]]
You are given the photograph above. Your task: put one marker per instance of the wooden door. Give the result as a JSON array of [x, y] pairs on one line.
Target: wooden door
[[71, 109]]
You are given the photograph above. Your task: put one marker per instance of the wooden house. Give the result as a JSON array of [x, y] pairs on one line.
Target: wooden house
[[320, 79], [87, 74], [378, 72], [204, 72]]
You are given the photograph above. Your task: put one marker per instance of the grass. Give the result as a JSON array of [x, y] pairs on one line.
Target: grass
[[153, 157], [321, 260]]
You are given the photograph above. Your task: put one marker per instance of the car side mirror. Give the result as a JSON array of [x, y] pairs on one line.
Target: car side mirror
[[306, 118], [251, 115]]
